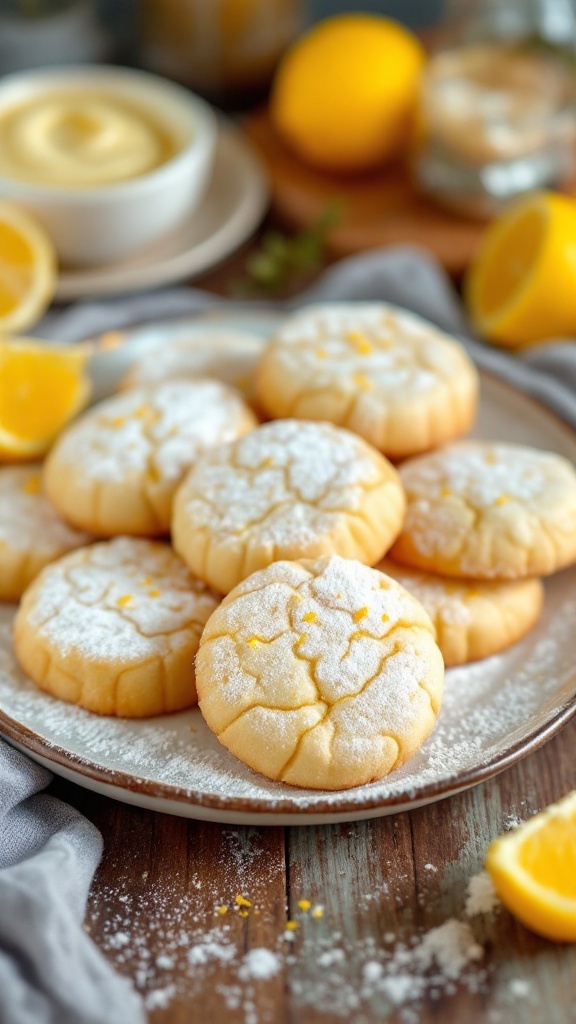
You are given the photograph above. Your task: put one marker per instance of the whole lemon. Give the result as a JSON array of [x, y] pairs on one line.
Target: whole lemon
[[344, 93]]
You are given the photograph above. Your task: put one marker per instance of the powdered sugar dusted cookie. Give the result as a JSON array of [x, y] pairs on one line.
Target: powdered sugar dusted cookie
[[323, 674], [114, 628], [32, 534], [290, 489], [473, 618], [116, 469], [489, 511], [384, 373], [230, 356]]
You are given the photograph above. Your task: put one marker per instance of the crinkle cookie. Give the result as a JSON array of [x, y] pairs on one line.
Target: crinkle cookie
[[384, 373], [489, 511], [116, 469], [32, 534], [473, 618], [287, 490], [114, 628], [323, 674], [230, 356]]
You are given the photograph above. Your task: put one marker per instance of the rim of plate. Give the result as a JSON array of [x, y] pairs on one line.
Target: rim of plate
[[428, 792], [285, 805], [201, 256]]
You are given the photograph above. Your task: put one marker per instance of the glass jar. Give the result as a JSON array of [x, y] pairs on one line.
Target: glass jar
[[498, 104]]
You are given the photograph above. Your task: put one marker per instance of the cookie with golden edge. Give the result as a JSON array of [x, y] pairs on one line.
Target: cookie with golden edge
[[473, 618], [488, 511], [116, 469], [323, 674], [32, 534], [287, 490], [114, 628], [386, 374], [230, 356]]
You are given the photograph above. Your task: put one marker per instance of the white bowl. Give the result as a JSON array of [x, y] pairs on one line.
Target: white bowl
[[102, 224]]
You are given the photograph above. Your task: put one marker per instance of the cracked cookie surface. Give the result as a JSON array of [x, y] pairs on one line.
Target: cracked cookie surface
[[473, 618], [383, 373], [322, 673], [115, 470], [488, 511], [32, 534], [287, 490], [114, 628]]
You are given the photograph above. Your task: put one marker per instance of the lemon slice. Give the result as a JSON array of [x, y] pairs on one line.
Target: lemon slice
[[534, 871], [27, 269], [521, 286], [42, 387]]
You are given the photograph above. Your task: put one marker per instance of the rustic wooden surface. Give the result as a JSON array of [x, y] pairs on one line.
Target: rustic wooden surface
[[380, 208], [371, 878]]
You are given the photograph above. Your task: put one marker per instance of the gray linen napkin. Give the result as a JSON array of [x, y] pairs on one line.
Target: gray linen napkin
[[50, 972]]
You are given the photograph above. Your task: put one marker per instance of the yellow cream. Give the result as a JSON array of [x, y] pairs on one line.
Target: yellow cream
[[80, 140]]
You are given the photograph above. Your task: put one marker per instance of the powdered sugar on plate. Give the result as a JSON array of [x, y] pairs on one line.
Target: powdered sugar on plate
[[489, 709]]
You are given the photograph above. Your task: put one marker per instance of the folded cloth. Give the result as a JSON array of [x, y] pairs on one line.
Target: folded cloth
[[50, 972]]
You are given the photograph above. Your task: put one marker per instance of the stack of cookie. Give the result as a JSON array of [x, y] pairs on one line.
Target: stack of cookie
[[322, 666]]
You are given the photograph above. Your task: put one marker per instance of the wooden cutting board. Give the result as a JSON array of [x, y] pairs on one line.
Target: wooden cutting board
[[378, 209]]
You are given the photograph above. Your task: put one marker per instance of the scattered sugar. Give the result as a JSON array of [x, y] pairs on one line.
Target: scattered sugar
[[259, 963], [519, 988], [481, 897], [289, 480]]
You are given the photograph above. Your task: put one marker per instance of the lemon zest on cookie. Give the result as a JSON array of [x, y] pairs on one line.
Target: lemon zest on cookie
[[124, 601], [309, 617], [360, 614], [241, 901]]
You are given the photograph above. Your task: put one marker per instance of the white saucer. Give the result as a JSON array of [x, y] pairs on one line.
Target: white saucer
[[231, 210]]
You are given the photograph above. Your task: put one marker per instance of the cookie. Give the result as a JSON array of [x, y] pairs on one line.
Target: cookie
[[32, 534], [227, 355], [473, 619], [288, 490], [323, 673], [114, 628], [382, 372], [115, 470], [488, 511]]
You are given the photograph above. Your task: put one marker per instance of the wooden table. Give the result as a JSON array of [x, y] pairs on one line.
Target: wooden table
[[386, 881]]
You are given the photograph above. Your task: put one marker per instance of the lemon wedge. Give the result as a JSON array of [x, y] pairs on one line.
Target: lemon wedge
[[27, 269], [42, 386], [521, 286], [534, 871]]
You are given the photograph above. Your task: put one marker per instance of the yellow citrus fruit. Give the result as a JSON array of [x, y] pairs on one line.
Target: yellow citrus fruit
[[521, 286], [344, 94], [27, 269], [42, 387], [534, 871]]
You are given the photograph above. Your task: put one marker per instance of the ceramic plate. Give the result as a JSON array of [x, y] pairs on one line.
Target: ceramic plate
[[494, 712], [230, 211]]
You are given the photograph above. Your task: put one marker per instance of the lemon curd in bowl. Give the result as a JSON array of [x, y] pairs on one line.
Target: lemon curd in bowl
[[107, 159]]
